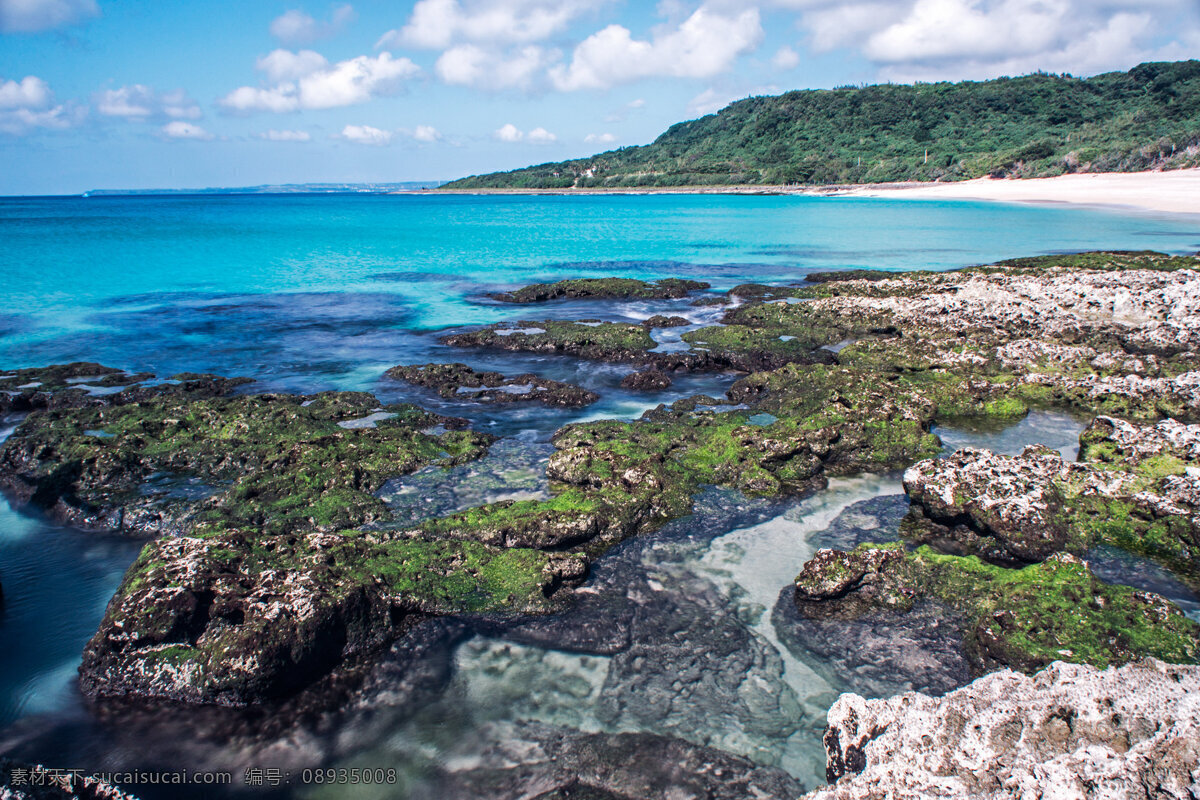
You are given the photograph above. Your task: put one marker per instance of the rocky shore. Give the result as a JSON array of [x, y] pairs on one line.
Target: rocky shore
[[276, 567], [1068, 731]]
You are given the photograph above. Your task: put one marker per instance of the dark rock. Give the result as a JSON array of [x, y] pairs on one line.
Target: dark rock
[[460, 382], [650, 380], [603, 288], [662, 321]]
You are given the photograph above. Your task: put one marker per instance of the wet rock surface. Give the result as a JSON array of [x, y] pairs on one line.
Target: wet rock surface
[[650, 380], [603, 288], [1070, 731], [540, 761], [460, 382], [282, 462], [240, 618]]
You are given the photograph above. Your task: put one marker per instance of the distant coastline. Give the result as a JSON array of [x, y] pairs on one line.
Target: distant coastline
[[1175, 191]]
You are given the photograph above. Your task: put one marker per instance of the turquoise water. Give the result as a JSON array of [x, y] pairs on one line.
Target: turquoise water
[[177, 282], [321, 292]]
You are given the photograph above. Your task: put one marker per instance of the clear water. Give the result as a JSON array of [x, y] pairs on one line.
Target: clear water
[[313, 293]]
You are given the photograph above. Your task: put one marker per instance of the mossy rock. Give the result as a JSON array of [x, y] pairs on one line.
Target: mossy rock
[[279, 462], [602, 289], [1023, 619], [241, 618]]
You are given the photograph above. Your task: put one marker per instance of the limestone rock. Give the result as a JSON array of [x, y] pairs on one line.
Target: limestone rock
[[1070, 731]]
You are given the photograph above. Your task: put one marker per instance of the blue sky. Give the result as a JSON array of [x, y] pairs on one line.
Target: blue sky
[[140, 94]]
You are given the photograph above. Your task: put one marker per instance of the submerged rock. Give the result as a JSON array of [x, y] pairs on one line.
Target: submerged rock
[[603, 288], [1069, 731], [460, 382], [531, 760]]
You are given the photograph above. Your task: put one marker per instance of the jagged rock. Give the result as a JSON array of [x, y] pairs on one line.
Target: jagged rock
[[242, 618], [650, 380], [1070, 731], [460, 382], [1138, 488]]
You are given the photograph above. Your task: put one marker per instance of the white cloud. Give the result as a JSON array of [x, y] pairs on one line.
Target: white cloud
[[486, 68], [185, 130], [511, 133], [785, 58], [599, 138], [436, 24], [345, 83], [285, 136], [31, 16], [28, 103], [955, 39], [638, 103], [703, 45], [140, 102], [284, 65], [709, 101], [297, 27], [508, 133], [426, 133], [365, 134], [30, 92]]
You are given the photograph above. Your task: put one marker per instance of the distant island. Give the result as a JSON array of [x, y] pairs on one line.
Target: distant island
[[1033, 126]]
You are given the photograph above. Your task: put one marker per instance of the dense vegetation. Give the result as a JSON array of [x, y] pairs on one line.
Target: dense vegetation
[[1032, 126]]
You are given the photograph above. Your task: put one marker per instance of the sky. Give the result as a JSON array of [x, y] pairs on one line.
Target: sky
[[137, 94]]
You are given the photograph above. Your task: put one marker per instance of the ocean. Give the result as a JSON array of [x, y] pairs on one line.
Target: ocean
[[309, 293]]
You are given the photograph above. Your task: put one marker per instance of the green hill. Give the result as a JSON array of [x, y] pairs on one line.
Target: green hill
[[1032, 126]]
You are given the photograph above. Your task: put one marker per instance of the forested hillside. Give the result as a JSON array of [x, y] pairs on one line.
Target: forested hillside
[[1032, 126]]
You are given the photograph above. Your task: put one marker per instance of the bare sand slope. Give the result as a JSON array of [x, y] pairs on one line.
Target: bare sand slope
[[1177, 191]]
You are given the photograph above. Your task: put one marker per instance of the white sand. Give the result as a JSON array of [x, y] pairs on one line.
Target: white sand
[[1177, 191]]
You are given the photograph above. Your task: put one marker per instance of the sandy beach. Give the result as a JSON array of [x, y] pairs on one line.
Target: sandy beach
[[1177, 191]]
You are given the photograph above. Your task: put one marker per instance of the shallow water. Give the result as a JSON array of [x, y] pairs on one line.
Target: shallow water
[[310, 293]]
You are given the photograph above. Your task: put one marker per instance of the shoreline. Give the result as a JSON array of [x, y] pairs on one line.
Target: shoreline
[[1176, 192]]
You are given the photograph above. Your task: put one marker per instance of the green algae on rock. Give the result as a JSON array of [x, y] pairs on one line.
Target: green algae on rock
[[603, 288], [1137, 487], [460, 382], [597, 341], [238, 617], [1020, 618], [85, 383], [279, 462]]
